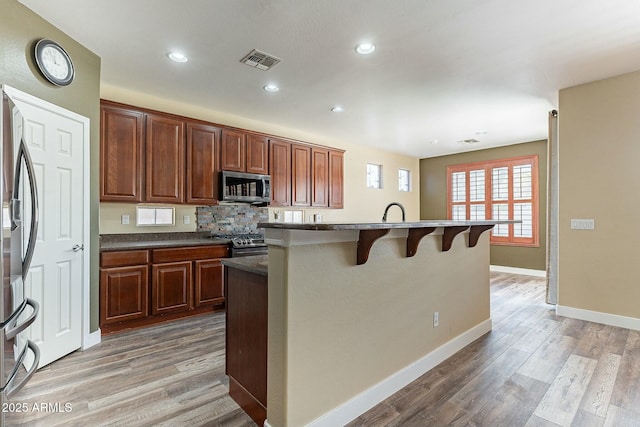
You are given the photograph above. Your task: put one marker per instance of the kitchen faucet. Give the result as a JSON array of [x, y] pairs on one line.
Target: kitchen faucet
[[384, 217]]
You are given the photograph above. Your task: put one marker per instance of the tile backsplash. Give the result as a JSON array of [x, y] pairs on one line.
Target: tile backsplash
[[231, 219]]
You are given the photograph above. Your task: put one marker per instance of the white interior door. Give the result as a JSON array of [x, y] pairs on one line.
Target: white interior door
[[56, 143]]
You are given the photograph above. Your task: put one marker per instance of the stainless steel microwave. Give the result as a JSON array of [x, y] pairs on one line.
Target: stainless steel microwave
[[246, 187]]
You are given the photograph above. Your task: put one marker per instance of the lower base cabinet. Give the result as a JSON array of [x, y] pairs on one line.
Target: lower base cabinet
[[142, 287]]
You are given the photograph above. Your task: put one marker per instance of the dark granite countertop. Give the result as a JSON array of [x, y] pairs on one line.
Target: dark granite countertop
[[257, 264], [324, 226], [123, 242]]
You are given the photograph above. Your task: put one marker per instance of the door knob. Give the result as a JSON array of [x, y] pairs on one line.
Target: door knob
[[77, 248]]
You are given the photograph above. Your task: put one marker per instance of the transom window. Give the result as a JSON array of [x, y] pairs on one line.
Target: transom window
[[500, 190]]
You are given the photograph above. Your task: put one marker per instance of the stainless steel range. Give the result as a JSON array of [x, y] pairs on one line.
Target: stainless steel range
[[246, 244]]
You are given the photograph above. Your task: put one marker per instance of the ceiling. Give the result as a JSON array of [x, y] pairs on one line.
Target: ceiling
[[442, 71]]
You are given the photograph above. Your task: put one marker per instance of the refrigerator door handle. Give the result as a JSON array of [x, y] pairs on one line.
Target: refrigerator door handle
[[23, 151], [11, 388], [14, 330]]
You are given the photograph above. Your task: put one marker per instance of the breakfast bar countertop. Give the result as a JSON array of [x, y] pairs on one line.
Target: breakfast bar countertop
[[325, 226]]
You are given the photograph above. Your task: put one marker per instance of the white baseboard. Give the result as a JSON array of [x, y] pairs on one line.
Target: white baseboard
[[599, 317], [366, 400], [93, 338], [515, 270]]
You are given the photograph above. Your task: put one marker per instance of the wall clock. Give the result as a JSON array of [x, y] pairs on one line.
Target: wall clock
[[54, 63]]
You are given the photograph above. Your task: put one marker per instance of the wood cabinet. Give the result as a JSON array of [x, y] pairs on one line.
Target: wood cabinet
[[336, 179], [165, 142], [244, 152], [124, 286], [201, 171], [149, 156], [246, 340], [142, 287], [300, 175], [280, 167], [171, 286], [232, 151], [209, 284], [121, 154], [319, 177]]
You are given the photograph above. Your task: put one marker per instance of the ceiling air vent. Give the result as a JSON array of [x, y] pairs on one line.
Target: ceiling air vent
[[468, 141], [260, 60]]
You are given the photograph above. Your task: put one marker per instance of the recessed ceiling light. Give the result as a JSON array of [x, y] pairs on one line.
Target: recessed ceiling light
[[271, 88], [365, 48], [337, 109], [177, 57]]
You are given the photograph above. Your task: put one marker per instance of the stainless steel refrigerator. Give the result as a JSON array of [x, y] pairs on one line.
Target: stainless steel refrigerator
[[19, 220]]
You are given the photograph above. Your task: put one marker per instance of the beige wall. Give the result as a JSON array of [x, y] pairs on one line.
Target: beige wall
[[361, 203], [359, 325], [599, 144], [19, 30], [433, 197]]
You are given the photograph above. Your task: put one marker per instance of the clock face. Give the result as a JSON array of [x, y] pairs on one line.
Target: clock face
[[54, 63]]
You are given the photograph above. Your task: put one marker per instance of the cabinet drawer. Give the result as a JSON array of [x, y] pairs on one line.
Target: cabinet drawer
[[123, 258], [190, 253]]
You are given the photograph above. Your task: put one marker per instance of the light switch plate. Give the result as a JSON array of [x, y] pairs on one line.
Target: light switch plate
[[583, 224]]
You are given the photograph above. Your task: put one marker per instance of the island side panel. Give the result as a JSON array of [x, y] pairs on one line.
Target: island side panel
[[347, 327]]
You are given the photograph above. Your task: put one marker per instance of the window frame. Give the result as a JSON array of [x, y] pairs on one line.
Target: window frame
[[488, 202]]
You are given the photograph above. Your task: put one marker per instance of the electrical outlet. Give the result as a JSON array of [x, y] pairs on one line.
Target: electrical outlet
[[186, 219], [583, 224], [436, 319], [125, 219]]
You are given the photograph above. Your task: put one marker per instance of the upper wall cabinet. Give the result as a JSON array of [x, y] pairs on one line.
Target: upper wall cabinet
[[149, 156], [336, 179], [121, 154], [244, 152], [300, 175], [156, 157], [319, 177], [280, 167], [201, 172], [165, 159]]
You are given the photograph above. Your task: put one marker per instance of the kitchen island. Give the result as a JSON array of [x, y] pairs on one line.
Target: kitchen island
[[357, 311]]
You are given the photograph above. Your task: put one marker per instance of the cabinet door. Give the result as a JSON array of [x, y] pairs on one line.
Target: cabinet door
[[232, 153], [319, 177], [336, 179], [124, 293], [202, 174], [257, 154], [300, 175], [121, 154], [280, 170], [171, 287], [165, 159], [209, 283]]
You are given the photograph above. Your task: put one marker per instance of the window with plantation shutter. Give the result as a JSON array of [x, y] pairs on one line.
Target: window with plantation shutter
[[501, 190]]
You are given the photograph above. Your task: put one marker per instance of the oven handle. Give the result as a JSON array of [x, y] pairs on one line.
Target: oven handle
[[14, 329], [12, 388]]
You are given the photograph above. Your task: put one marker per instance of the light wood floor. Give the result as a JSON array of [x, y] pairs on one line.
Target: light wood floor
[[533, 369]]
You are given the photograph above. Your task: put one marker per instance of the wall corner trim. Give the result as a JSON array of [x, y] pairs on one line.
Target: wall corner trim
[[364, 401], [599, 317]]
